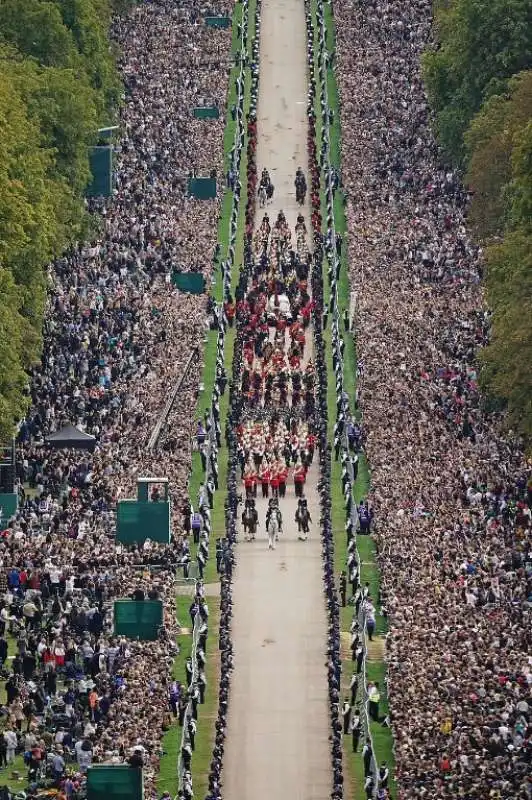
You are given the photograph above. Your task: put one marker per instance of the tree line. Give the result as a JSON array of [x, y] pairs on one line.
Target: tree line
[[58, 84], [479, 82]]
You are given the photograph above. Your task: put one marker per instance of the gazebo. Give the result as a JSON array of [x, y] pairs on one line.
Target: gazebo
[[71, 437]]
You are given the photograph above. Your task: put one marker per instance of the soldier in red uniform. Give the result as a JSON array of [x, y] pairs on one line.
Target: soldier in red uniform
[[250, 482], [274, 481], [264, 476], [300, 475]]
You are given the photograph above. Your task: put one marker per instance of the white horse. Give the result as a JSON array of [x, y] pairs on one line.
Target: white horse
[[262, 195], [274, 528]]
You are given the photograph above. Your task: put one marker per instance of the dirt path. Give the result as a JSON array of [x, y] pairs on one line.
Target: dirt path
[[278, 725]]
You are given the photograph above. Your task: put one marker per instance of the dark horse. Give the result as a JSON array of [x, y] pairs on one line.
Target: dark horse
[[303, 518], [250, 520]]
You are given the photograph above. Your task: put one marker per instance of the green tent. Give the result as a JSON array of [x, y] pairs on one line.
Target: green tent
[[8, 506], [191, 282], [138, 520], [101, 165]]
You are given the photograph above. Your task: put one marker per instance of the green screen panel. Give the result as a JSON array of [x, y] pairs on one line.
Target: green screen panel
[[206, 112], [8, 506], [138, 618], [218, 22], [114, 782], [137, 521], [101, 165], [202, 188], [191, 282]]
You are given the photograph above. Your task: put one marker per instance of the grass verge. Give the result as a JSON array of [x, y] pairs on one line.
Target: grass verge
[[209, 368], [168, 779], [375, 665]]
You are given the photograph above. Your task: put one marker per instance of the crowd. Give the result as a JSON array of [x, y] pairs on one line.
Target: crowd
[[450, 493], [450, 488], [117, 336]]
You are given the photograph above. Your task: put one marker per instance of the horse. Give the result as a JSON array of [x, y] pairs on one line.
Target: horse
[[274, 525], [250, 522], [263, 195], [302, 517]]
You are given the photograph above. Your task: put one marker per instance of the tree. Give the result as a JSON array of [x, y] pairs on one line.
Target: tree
[[36, 29], [13, 378], [89, 22], [64, 106], [58, 84], [507, 358], [490, 142], [31, 233], [481, 43], [520, 188]]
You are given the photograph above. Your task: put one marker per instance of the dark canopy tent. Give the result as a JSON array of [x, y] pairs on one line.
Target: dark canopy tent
[[69, 436]]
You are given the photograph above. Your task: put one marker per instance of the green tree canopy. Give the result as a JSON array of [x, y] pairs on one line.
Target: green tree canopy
[[28, 235], [481, 43], [58, 84], [507, 358], [36, 28], [13, 355], [490, 141], [479, 82], [520, 188], [72, 34], [64, 106], [89, 22]]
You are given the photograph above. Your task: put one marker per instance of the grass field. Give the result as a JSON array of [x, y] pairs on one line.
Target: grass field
[[376, 668], [197, 476], [168, 779]]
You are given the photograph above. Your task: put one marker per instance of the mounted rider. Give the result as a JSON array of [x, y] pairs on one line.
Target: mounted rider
[[266, 184], [274, 522], [250, 519], [301, 186], [303, 518], [265, 179]]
